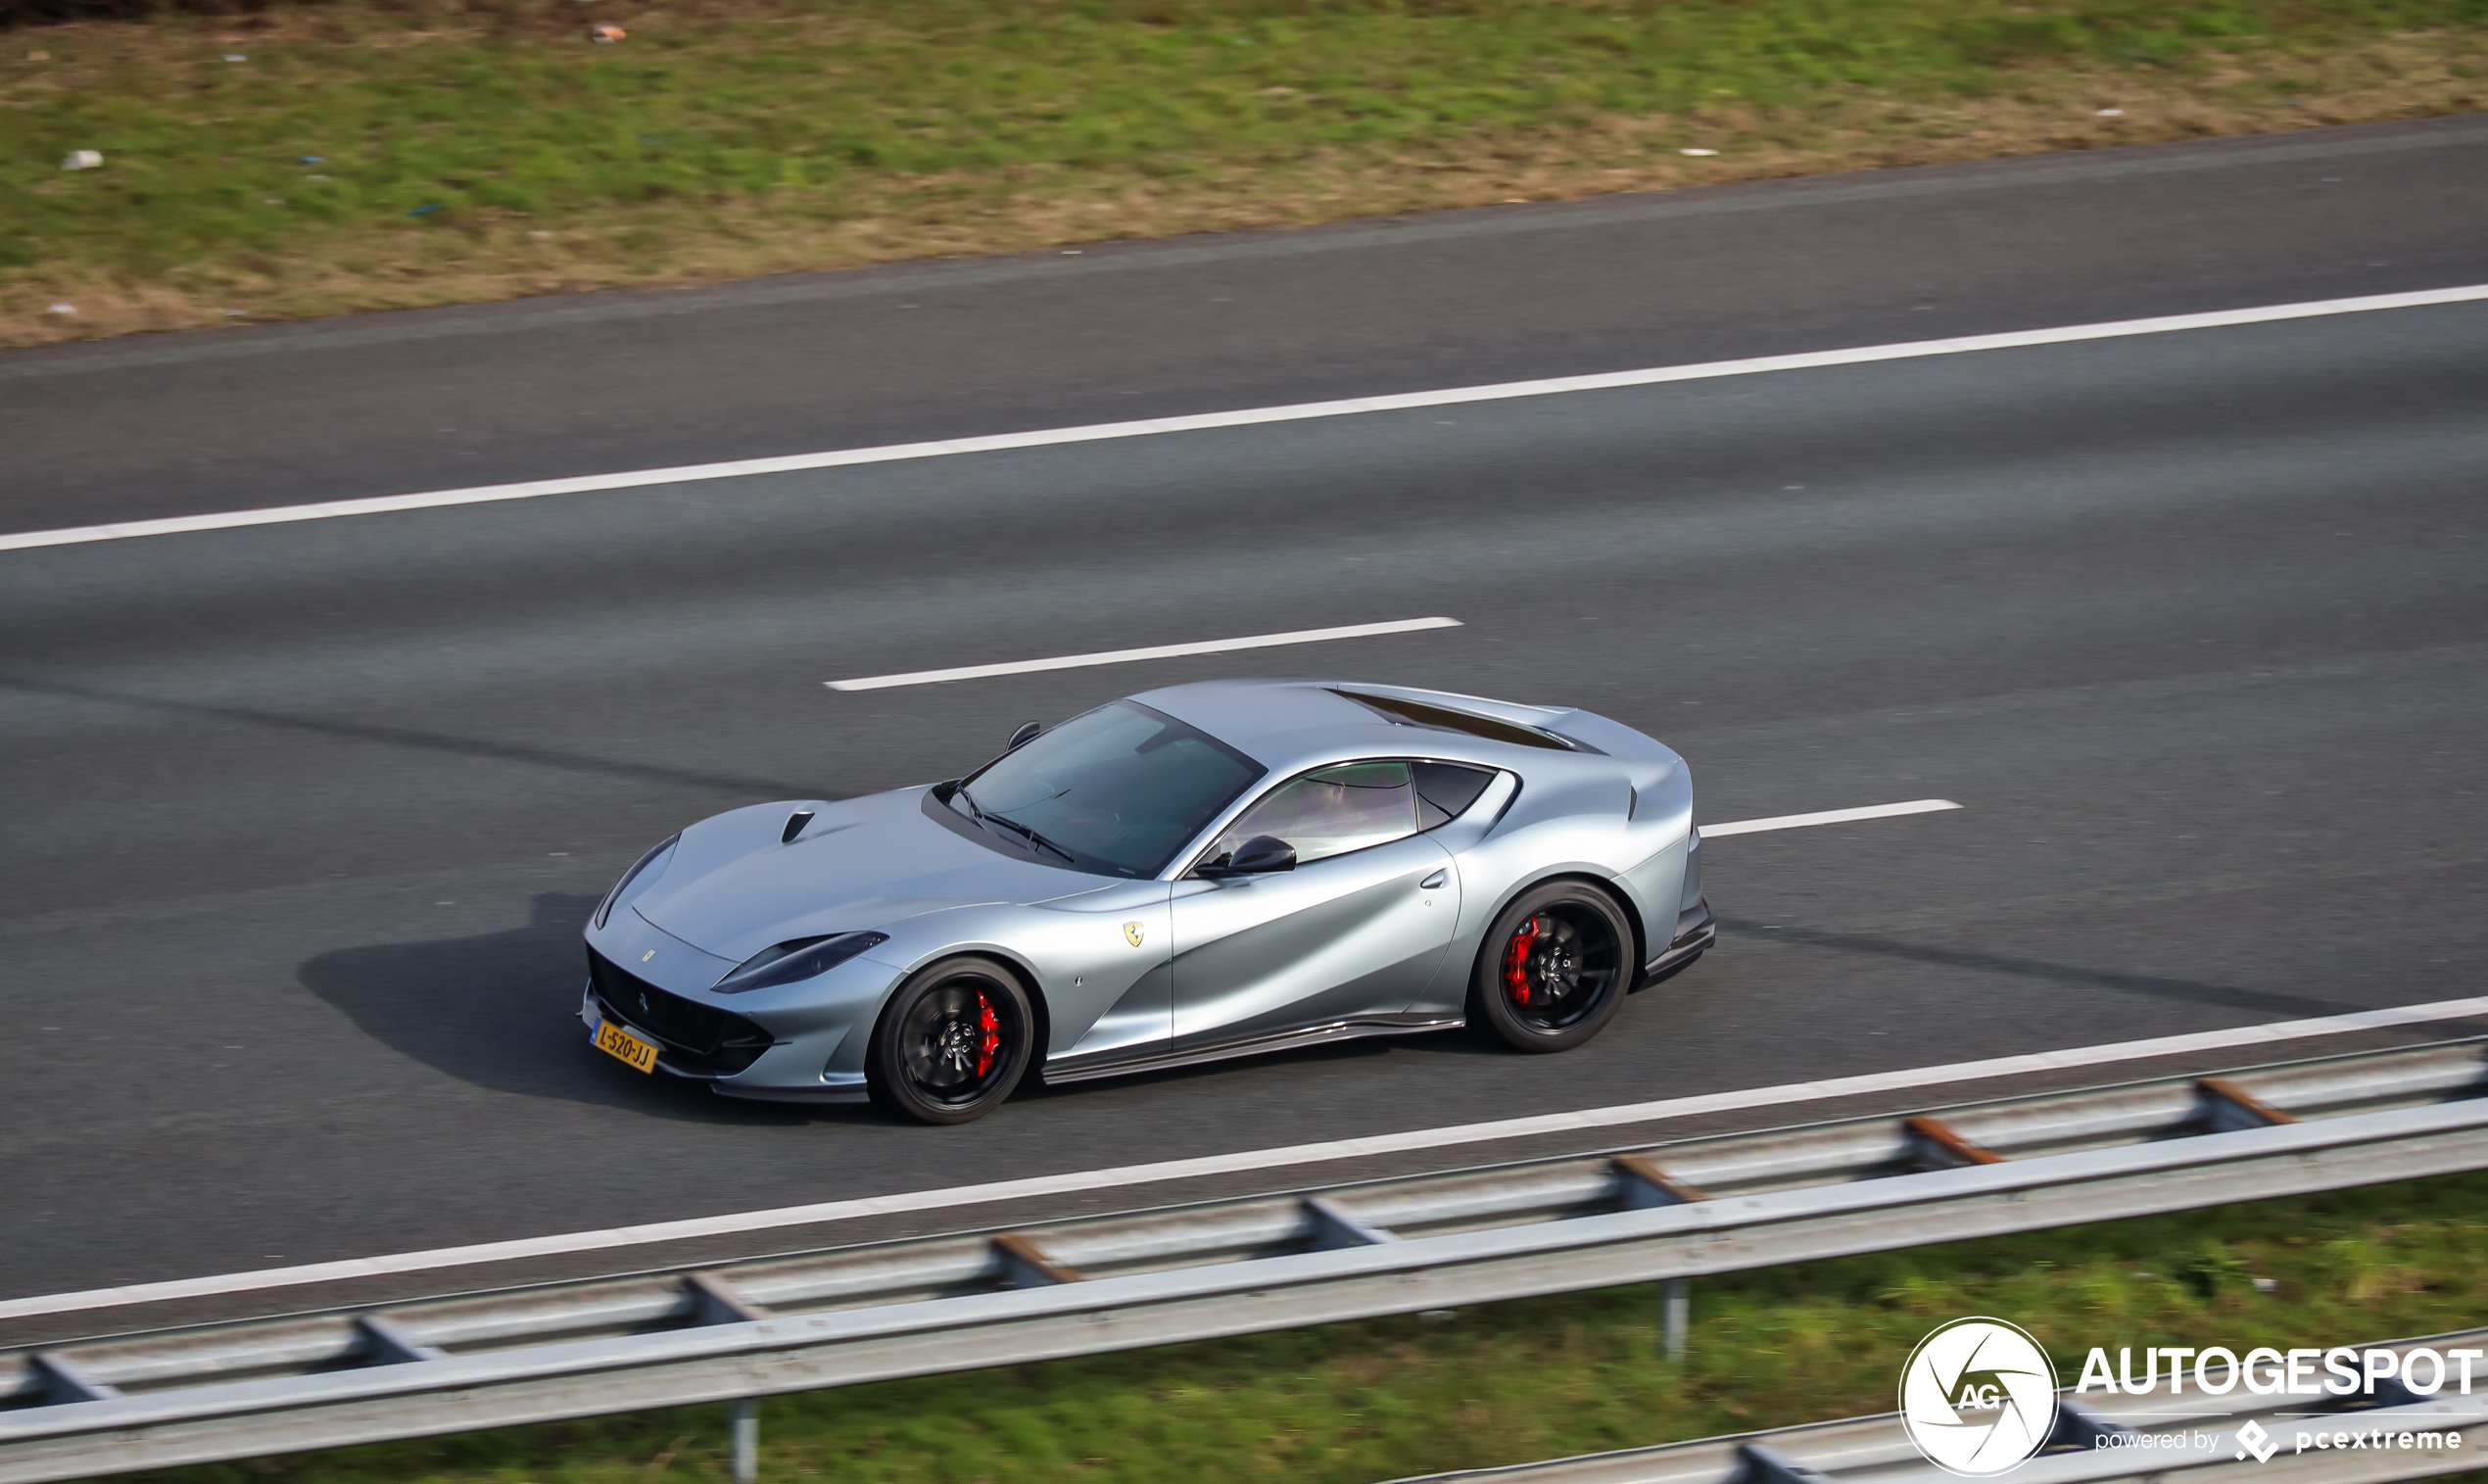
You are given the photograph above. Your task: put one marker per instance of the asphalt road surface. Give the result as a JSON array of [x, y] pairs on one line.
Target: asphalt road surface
[[303, 820]]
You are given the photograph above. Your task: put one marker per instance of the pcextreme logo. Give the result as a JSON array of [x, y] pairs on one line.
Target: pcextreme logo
[[1979, 1397]]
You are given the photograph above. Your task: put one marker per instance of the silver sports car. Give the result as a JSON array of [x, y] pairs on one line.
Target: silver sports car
[[1201, 872]]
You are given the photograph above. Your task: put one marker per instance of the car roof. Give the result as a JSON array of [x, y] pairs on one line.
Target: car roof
[[1286, 724]]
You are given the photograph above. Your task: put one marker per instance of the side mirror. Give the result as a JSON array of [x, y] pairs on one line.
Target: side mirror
[[1027, 730], [1258, 856]]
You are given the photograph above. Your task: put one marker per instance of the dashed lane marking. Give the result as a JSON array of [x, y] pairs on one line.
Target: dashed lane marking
[[1127, 657], [1827, 817]]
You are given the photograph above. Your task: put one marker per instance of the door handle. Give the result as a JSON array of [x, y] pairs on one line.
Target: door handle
[[1435, 882]]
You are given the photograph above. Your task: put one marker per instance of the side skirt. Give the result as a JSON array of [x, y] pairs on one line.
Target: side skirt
[[1284, 1041], [826, 1096]]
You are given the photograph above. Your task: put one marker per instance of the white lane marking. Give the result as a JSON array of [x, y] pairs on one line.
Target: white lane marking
[[1827, 817], [1245, 417], [1127, 657], [1247, 1160]]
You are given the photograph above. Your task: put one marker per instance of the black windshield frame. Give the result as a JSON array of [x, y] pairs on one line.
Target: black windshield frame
[[1250, 773]]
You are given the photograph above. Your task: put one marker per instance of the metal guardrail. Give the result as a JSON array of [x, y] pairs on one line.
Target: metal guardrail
[[920, 1306], [1876, 1451]]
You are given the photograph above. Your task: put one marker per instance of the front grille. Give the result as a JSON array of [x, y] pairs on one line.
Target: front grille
[[696, 1038]]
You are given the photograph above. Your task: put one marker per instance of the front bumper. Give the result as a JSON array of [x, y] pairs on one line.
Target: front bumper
[[693, 1039], [794, 1046], [1696, 929]]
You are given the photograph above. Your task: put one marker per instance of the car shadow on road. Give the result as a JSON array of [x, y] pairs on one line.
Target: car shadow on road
[[500, 1012]]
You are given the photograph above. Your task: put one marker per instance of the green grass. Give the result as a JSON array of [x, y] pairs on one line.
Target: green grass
[[1543, 1378], [840, 129]]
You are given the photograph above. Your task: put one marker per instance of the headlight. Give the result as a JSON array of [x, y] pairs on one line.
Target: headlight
[[644, 872], [797, 959]]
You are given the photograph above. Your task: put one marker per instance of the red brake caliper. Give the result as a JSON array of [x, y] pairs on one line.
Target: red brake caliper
[[1517, 960], [989, 1030]]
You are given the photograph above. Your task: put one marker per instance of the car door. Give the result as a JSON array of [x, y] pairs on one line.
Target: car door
[[1358, 927]]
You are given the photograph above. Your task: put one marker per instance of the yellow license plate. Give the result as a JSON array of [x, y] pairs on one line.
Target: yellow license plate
[[615, 1040]]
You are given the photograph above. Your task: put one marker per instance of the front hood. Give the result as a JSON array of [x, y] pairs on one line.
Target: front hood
[[733, 889]]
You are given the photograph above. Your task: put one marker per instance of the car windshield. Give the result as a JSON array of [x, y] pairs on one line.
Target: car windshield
[[1119, 789]]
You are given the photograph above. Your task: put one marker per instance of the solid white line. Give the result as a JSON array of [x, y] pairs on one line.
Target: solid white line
[[1127, 657], [1827, 817], [1248, 1159], [1247, 418]]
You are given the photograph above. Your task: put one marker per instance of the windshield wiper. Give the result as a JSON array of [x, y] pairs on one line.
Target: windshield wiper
[[960, 795], [1033, 837]]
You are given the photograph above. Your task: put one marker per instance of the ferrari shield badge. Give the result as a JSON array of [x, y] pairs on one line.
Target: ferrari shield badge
[[1131, 931]]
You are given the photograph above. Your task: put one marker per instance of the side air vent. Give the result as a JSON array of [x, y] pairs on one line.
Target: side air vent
[[794, 825]]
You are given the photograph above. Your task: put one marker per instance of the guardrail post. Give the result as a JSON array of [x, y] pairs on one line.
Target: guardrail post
[[2228, 1107], [1762, 1463], [1641, 1185], [2079, 1426], [63, 1380], [746, 1441], [1021, 1264], [715, 1301], [1331, 1228], [1934, 1144], [389, 1345]]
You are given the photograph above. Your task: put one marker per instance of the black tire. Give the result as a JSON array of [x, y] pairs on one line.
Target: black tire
[[1553, 969], [952, 1042]]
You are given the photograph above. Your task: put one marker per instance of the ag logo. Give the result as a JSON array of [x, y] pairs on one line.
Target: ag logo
[[1132, 931], [1979, 1397]]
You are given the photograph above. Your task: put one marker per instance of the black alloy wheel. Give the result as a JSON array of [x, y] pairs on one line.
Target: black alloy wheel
[[1553, 969], [952, 1042]]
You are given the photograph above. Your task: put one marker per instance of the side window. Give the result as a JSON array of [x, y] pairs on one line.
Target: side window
[[1445, 790], [1333, 812]]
